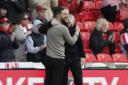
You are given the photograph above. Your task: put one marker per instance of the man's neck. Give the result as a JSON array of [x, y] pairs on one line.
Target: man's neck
[[58, 19]]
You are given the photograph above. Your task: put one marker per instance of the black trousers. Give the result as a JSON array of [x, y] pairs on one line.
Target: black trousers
[[54, 71], [75, 66], [109, 12]]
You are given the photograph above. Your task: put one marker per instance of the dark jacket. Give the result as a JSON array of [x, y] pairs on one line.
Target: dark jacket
[[7, 48], [14, 9], [97, 43], [44, 28], [38, 40], [75, 51]]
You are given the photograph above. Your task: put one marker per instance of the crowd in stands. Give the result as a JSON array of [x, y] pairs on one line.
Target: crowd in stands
[[103, 28]]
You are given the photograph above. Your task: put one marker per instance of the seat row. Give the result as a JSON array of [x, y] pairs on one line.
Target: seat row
[[91, 11], [89, 25], [106, 58]]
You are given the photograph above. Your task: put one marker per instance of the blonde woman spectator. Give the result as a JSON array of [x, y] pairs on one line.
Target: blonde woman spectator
[[22, 30], [97, 41]]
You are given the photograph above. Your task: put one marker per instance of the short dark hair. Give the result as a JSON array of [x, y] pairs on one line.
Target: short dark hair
[[3, 7], [22, 15], [57, 10]]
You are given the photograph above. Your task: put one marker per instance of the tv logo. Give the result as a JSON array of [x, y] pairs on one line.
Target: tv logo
[[95, 80]]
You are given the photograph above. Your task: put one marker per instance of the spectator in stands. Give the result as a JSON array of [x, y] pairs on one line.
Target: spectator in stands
[[125, 2], [97, 41], [22, 30], [27, 6], [74, 55], [57, 35], [123, 10], [109, 9], [3, 12], [124, 38], [36, 44], [7, 41], [41, 14], [74, 6], [14, 8], [48, 4]]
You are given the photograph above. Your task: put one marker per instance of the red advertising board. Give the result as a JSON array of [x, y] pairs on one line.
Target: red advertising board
[[90, 77]]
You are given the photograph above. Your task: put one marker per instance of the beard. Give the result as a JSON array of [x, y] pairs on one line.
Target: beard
[[64, 23]]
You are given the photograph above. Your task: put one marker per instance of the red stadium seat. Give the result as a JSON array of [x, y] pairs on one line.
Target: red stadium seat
[[87, 50], [94, 14], [81, 26], [117, 41], [118, 50], [101, 57], [118, 26], [119, 58], [88, 5], [98, 4], [85, 15], [111, 27], [85, 38], [90, 58], [89, 25], [79, 17], [97, 14]]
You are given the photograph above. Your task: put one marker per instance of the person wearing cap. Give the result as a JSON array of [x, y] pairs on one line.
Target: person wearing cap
[[36, 44], [57, 35], [124, 38], [7, 41]]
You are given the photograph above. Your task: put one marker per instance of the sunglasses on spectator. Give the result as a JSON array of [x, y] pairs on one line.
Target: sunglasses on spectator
[[25, 18]]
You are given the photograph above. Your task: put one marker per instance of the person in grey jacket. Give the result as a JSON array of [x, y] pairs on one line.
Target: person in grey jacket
[[57, 35]]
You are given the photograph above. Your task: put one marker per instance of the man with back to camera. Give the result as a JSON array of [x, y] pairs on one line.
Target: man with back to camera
[[57, 35]]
